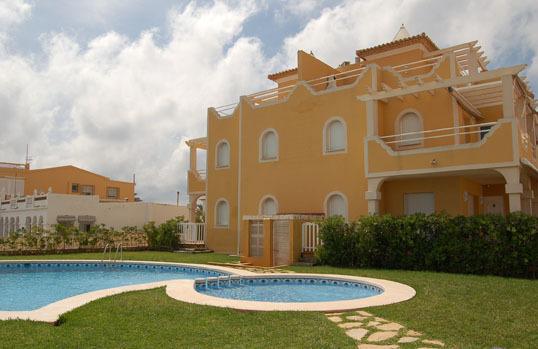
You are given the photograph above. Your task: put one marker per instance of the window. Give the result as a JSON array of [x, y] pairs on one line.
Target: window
[[419, 203], [222, 213], [74, 188], [223, 154], [268, 206], [484, 131], [112, 193], [269, 145], [256, 239], [410, 129], [87, 189], [336, 205], [335, 136]]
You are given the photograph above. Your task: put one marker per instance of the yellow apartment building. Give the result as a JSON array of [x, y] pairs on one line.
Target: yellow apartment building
[[20, 180], [406, 127]]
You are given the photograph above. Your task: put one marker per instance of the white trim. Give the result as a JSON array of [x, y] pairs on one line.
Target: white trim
[[260, 146], [262, 200], [397, 127], [345, 201], [327, 123], [215, 221], [217, 167]]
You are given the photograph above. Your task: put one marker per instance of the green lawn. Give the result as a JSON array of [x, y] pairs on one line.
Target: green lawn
[[462, 310]]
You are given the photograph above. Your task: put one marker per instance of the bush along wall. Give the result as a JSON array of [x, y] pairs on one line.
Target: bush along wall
[[164, 236], [485, 244]]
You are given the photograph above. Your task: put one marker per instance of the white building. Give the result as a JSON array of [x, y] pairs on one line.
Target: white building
[[81, 211]]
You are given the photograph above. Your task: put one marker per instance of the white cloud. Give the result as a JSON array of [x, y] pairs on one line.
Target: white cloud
[[117, 105], [120, 106], [502, 27]]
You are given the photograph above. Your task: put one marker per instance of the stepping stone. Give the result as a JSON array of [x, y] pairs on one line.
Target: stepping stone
[[382, 336], [335, 318], [408, 340], [413, 333], [357, 333], [433, 342], [377, 346], [363, 313], [351, 325], [373, 323], [392, 326], [380, 319], [355, 317]]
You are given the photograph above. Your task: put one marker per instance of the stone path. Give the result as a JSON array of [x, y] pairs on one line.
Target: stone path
[[373, 332]]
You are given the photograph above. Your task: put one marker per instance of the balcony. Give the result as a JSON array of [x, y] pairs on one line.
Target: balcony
[[196, 181], [484, 145]]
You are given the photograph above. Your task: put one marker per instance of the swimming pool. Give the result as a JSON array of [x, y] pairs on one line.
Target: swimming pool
[[287, 289], [29, 286]]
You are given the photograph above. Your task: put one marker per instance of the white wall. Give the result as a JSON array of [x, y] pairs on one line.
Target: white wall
[[120, 214], [12, 186]]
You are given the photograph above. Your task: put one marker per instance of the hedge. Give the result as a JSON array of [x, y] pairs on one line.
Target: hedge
[[484, 244]]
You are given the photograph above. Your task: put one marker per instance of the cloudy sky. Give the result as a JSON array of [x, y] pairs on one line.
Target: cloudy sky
[[116, 86]]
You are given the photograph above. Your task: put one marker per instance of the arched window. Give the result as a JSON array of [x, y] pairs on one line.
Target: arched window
[[410, 125], [335, 136], [336, 205], [222, 213], [223, 154], [269, 145], [268, 206]]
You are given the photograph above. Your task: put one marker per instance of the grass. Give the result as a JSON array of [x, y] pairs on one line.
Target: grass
[[464, 311]]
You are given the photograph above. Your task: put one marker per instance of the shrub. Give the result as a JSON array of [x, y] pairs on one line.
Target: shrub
[[164, 236], [486, 244]]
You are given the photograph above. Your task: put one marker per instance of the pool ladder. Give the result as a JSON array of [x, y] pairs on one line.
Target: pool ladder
[[224, 279], [119, 252]]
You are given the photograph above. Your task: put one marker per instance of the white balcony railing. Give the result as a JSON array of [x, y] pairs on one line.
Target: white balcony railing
[[191, 233], [310, 237], [418, 137]]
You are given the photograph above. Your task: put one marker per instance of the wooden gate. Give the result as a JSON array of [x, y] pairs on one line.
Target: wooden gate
[[281, 242]]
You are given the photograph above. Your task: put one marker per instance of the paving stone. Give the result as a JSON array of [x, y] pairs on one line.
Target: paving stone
[[392, 326], [377, 346], [408, 340], [413, 333], [357, 333], [356, 317], [372, 323], [363, 313], [350, 325], [380, 319], [335, 318], [382, 336], [433, 342]]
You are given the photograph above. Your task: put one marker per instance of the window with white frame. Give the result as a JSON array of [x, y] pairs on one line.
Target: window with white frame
[[268, 206], [269, 145], [223, 154], [410, 129], [222, 213], [335, 137], [112, 192], [336, 205], [419, 203]]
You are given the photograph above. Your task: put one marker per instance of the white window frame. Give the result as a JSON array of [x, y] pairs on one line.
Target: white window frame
[[263, 199], [260, 146], [398, 128], [326, 151], [406, 196], [217, 225], [222, 141], [326, 203]]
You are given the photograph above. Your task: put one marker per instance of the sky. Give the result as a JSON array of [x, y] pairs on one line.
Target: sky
[[117, 86]]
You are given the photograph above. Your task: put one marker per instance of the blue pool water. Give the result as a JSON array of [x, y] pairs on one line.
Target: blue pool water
[[274, 289], [29, 286]]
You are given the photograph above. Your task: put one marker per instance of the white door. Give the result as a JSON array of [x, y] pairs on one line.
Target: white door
[[419, 203], [494, 204]]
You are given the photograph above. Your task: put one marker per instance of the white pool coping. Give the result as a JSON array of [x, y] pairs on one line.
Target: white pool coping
[[184, 290]]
